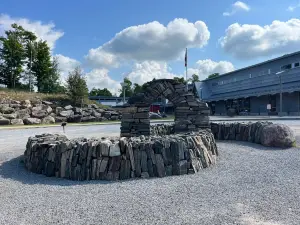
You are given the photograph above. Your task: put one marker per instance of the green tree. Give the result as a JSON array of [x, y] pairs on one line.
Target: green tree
[[76, 86], [128, 88], [100, 92], [180, 80], [42, 67], [213, 75], [12, 56], [53, 78], [195, 78]]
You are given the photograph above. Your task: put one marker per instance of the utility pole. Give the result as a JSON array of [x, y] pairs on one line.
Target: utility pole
[[280, 93]]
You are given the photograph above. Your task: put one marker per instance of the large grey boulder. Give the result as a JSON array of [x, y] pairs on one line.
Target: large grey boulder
[[89, 119], [48, 120], [6, 109], [58, 110], [4, 121], [96, 114], [277, 135], [38, 113], [30, 121], [10, 116], [66, 113], [23, 113], [74, 119], [47, 102], [17, 122], [59, 119]]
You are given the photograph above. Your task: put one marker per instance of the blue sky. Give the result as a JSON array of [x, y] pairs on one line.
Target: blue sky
[[76, 27]]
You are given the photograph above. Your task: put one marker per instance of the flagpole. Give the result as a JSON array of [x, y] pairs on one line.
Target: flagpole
[[187, 89]]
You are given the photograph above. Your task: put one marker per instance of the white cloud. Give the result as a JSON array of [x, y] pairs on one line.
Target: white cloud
[[46, 32], [206, 67], [237, 7], [98, 58], [99, 78], [66, 65], [152, 41], [147, 70], [291, 8], [250, 41]]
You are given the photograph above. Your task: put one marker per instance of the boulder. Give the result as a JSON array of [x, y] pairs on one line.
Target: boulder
[[66, 113], [6, 109], [30, 121], [26, 104], [15, 102], [77, 110], [38, 113], [93, 106], [114, 118], [59, 119], [58, 110], [74, 118], [23, 113], [10, 116], [106, 115], [4, 121], [15, 106], [100, 110], [277, 135], [96, 114], [47, 103], [68, 107], [89, 119], [48, 120], [17, 122]]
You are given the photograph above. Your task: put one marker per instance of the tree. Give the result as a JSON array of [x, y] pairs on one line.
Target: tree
[[76, 86], [42, 68], [100, 92], [195, 78], [213, 75], [12, 56], [128, 88], [180, 80]]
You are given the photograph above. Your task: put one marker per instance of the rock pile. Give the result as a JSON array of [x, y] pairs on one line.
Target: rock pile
[[44, 112], [265, 133], [120, 158]]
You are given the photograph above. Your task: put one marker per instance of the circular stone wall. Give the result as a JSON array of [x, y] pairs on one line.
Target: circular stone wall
[[120, 158]]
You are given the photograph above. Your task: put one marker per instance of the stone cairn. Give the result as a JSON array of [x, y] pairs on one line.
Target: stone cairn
[[120, 158], [191, 114]]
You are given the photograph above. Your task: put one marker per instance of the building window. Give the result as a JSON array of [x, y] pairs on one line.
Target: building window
[[269, 71], [297, 64], [250, 76], [286, 67]]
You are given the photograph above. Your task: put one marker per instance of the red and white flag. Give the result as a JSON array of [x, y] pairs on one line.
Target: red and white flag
[[185, 58]]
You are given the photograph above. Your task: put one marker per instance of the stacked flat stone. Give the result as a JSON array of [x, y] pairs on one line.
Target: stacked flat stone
[[162, 129], [122, 158], [191, 114], [135, 121], [251, 132]]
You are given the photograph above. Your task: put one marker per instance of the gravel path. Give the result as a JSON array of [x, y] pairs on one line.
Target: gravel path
[[249, 185]]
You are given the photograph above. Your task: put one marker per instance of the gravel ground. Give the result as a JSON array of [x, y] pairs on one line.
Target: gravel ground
[[250, 184]]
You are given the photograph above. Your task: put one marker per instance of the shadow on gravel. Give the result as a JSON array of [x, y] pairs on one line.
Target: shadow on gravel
[[14, 169], [254, 145]]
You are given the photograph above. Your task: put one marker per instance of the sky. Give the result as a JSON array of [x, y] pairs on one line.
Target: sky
[[143, 40]]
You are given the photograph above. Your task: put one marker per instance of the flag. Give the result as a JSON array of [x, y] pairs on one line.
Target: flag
[[185, 58]]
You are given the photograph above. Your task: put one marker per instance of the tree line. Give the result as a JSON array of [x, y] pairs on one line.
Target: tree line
[[26, 62]]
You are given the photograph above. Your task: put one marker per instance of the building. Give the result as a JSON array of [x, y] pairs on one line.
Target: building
[[109, 101], [255, 90]]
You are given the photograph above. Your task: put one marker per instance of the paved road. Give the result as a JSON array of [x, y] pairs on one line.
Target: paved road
[[13, 141]]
